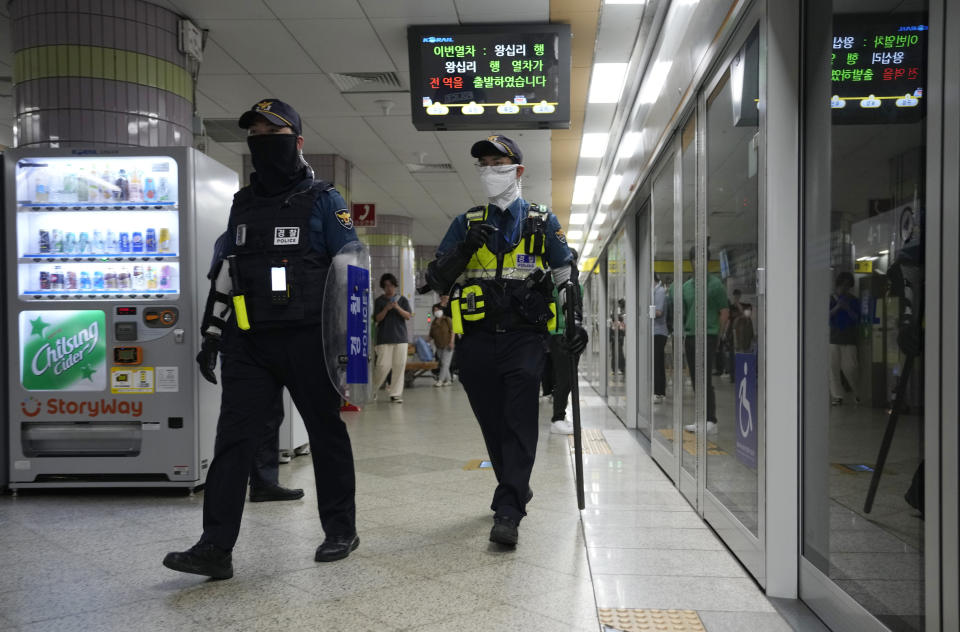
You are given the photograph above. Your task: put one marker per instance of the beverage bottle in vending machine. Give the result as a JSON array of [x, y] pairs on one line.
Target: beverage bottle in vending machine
[[113, 246], [44, 244], [71, 283], [136, 188], [44, 280], [56, 278], [150, 245], [97, 280], [69, 189], [110, 279], [82, 189], [84, 246], [164, 243], [163, 194], [150, 276], [123, 279], [70, 243], [99, 244], [106, 187], [149, 190], [93, 185], [85, 280], [122, 192], [41, 184], [165, 273], [56, 236], [136, 242], [124, 240], [139, 283]]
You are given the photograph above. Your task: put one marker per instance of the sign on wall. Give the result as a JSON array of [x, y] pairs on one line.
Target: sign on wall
[[364, 214]]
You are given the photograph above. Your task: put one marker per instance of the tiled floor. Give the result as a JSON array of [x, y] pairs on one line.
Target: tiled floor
[[91, 560]]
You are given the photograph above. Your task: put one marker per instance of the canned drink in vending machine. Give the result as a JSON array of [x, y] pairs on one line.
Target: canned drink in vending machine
[[164, 243], [98, 280], [124, 242], [56, 278], [56, 243], [83, 245], [112, 245], [44, 246], [136, 242], [71, 283], [139, 282], [165, 273], [123, 279], [151, 242], [44, 280], [110, 279], [85, 280], [99, 244]]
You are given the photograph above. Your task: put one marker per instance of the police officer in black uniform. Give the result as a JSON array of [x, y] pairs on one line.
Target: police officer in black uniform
[[499, 263], [284, 229]]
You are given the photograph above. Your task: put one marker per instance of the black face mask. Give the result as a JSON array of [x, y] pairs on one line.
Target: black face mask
[[276, 160]]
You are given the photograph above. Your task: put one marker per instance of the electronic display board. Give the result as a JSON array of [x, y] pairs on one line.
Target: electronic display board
[[878, 68], [490, 76]]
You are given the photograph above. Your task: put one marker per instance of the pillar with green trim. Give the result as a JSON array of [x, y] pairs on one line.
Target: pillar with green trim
[[90, 73]]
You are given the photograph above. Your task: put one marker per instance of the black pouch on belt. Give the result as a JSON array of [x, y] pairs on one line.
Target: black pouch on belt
[[529, 300]]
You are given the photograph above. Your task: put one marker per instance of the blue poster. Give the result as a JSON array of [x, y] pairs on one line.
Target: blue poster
[[745, 387], [358, 322]]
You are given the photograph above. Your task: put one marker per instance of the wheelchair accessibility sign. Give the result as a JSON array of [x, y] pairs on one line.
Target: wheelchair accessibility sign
[[745, 386]]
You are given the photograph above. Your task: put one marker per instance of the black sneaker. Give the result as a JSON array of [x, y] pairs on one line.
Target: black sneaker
[[274, 492], [201, 559], [336, 547], [504, 531], [394, 399]]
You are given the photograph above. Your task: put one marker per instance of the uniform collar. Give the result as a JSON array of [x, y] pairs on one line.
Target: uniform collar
[[514, 208]]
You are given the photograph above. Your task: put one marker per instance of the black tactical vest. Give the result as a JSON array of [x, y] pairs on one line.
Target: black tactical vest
[[267, 233]]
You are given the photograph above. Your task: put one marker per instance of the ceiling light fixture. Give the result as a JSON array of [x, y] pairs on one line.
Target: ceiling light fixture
[[593, 145], [606, 83], [609, 193], [629, 144], [583, 188], [577, 219], [654, 82]]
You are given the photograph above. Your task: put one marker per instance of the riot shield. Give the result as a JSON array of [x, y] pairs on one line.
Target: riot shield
[[347, 351]]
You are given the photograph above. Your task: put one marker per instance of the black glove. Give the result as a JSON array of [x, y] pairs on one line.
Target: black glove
[[477, 236], [207, 358], [574, 340]]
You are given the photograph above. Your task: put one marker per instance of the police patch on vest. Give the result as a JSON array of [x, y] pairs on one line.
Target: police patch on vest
[[561, 236], [526, 262], [343, 216], [286, 235]]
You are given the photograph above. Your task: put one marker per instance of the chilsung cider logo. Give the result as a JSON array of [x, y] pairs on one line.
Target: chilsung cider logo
[[63, 350]]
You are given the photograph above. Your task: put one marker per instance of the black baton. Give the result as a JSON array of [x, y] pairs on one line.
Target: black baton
[[575, 396]]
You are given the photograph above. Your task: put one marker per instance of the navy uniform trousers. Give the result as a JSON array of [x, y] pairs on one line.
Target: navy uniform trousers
[[254, 368], [501, 375]]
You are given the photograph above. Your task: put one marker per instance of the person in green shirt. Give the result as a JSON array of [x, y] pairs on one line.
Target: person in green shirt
[[717, 313]]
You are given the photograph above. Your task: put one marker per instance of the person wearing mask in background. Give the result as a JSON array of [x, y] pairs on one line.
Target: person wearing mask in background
[[660, 334], [562, 380], [441, 332], [391, 311], [493, 262], [844, 318], [717, 313], [268, 341]]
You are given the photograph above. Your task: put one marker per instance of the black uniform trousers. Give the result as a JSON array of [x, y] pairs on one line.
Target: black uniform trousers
[[266, 463], [255, 366], [690, 347], [501, 375], [659, 367]]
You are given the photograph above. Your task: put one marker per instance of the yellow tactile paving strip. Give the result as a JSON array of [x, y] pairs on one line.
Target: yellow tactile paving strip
[[643, 620], [690, 442], [593, 442]]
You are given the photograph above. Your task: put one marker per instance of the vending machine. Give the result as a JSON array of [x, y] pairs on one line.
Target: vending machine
[[107, 252]]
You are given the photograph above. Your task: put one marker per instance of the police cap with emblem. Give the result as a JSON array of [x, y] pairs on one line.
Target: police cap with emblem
[[497, 144], [275, 111]]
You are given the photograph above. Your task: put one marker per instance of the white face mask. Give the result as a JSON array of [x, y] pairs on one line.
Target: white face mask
[[438, 313], [500, 181]]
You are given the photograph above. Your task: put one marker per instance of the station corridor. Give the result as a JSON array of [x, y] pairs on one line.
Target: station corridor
[[85, 560]]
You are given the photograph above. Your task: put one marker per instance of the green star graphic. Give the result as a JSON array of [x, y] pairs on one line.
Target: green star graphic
[[38, 326], [88, 372]]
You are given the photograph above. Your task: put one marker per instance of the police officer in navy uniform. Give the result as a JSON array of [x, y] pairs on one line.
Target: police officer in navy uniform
[[283, 225], [500, 263]]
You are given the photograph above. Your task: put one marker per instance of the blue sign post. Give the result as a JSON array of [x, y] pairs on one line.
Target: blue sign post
[[745, 386], [358, 323]]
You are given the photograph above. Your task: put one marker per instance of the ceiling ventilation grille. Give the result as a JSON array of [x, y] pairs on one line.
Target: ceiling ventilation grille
[[225, 130], [427, 167], [387, 81]]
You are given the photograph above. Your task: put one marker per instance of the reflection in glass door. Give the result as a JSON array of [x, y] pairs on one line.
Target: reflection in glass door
[[684, 311], [864, 542], [617, 325], [665, 370]]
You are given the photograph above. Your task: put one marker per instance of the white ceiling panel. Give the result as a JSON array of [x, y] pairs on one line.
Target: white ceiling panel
[[393, 34], [411, 9], [216, 61], [208, 108], [222, 9], [503, 11], [293, 9], [234, 93], [310, 95], [599, 118], [341, 45], [406, 142], [425, 235], [314, 143], [261, 46], [369, 103]]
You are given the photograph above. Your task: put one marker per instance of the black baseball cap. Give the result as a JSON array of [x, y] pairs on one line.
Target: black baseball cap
[[275, 111], [497, 144]]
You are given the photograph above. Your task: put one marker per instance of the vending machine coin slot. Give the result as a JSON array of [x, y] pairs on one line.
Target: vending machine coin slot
[[161, 316]]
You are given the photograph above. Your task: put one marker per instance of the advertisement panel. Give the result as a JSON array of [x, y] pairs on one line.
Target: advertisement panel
[[63, 350]]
